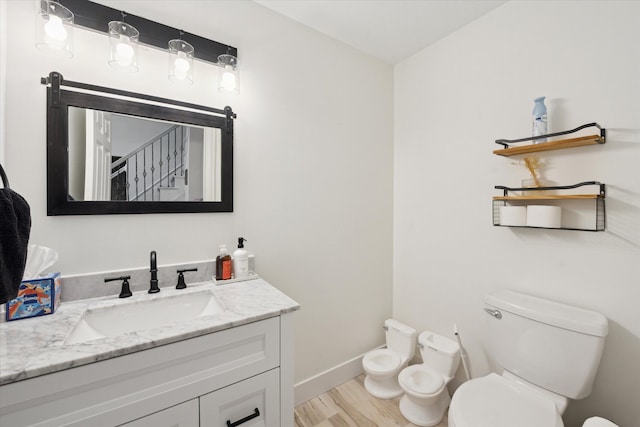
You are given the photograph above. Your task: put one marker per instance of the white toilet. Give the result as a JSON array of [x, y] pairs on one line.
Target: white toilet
[[426, 397], [382, 365], [550, 353]]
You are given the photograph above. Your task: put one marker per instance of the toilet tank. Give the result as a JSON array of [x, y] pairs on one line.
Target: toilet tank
[[400, 338], [439, 353], [555, 346]]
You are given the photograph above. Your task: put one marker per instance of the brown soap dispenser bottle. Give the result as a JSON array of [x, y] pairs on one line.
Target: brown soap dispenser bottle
[[223, 264]]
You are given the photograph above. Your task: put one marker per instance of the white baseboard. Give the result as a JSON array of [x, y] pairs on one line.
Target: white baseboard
[[318, 384]]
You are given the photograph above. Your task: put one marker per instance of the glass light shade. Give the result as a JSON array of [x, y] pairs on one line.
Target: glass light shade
[[123, 41], [54, 28], [180, 61], [229, 78]]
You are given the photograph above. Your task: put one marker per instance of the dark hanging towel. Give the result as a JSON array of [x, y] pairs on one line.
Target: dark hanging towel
[[15, 226]]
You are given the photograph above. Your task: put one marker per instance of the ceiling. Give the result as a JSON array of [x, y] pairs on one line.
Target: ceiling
[[391, 30]]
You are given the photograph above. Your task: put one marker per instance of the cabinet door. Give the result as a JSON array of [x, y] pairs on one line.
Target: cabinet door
[[255, 400], [182, 415]]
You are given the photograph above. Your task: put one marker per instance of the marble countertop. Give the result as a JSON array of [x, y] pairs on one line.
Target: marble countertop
[[36, 346]]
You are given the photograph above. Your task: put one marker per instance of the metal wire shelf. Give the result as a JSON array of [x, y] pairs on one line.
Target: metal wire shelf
[[542, 195], [508, 150]]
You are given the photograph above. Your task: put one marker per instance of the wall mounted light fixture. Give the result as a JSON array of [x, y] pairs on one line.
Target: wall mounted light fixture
[[123, 42], [54, 28], [180, 61], [96, 17], [229, 81]]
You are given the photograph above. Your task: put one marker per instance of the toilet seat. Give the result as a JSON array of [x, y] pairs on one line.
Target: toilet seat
[[497, 402], [421, 381], [381, 361]]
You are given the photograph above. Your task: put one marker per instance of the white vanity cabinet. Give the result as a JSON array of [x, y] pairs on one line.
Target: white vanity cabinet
[[202, 381]]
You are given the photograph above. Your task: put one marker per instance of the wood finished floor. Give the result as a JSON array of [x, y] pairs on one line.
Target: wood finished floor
[[349, 405]]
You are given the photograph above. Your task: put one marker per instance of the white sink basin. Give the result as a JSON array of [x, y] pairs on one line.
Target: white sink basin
[[143, 315]]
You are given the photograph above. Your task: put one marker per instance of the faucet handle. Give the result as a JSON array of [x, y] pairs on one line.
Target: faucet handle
[[181, 284], [125, 292]]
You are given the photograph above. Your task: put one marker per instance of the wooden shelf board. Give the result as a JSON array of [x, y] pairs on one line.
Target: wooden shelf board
[[550, 197], [551, 145]]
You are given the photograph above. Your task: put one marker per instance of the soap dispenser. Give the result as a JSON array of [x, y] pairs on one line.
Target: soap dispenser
[[240, 260], [223, 264]]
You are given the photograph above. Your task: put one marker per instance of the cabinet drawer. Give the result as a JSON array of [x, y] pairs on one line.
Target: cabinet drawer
[[255, 400], [182, 415]]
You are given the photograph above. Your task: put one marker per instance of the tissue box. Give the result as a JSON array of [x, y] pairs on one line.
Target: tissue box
[[36, 297]]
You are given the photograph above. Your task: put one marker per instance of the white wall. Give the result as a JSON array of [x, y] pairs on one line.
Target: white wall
[[452, 100], [129, 133], [313, 166]]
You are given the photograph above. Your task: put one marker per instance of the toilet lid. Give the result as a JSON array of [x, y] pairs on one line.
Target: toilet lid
[[598, 422], [421, 379], [381, 361], [496, 402]]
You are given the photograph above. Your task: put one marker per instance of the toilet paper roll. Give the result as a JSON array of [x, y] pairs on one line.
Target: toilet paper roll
[[544, 216], [513, 215]]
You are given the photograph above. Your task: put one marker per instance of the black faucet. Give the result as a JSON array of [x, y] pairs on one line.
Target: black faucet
[[181, 283], [125, 292], [154, 274]]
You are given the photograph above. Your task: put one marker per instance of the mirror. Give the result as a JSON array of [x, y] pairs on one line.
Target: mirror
[[120, 157], [110, 155]]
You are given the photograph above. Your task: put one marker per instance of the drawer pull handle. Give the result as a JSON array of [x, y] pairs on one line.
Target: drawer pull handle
[[494, 313], [255, 414]]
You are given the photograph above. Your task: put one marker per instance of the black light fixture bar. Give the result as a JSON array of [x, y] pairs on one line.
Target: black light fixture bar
[[96, 17]]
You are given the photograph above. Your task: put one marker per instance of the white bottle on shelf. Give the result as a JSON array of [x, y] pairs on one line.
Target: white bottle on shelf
[[240, 260], [539, 120]]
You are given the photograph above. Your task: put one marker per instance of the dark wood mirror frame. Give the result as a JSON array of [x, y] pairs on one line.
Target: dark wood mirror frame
[[58, 103]]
